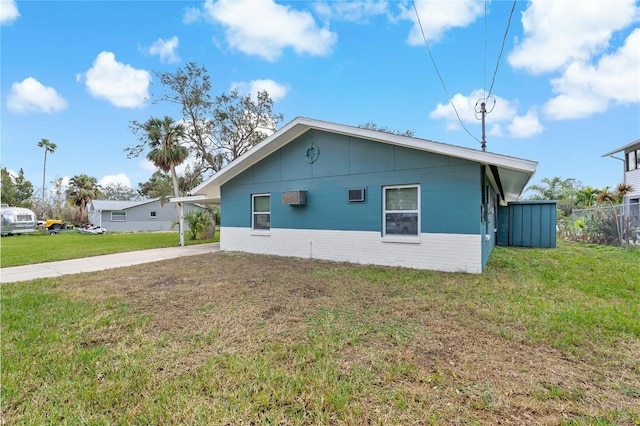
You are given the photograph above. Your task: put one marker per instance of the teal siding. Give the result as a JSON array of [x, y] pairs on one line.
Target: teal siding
[[450, 198]]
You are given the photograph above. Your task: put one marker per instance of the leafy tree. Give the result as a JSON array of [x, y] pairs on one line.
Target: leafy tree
[[16, 190], [373, 126], [82, 189], [58, 199], [240, 123], [119, 192], [219, 129], [158, 186], [555, 188], [586, 197], [48, 147]]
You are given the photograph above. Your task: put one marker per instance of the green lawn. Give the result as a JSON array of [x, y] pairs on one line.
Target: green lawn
[[42, 247], [543, 336]]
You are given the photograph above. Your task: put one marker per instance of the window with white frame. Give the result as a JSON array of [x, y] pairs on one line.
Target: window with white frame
[[401, 210], [118, 216], [261, 212], [633, 160], [153, 215]]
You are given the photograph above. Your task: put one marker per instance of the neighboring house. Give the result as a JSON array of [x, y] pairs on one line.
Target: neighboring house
[[322, 190], [133, 216], [631, 169]]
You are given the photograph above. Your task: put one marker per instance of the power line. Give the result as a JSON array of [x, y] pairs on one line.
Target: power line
[[484, 67], [504, 38], [438, 72]]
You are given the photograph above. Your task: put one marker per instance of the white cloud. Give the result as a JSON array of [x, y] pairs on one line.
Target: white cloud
[[265, 28], [8, 11], [120, 178], [166, 50], [557, 33], [351, 11], [525, 126], [585, 89], [147, 166], [32, 96], [276, 90], [496, 130], [439, 16], [120, 84], [192, 14], [500, 113]]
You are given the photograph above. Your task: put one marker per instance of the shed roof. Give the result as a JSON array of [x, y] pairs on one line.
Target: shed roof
[[510, 174]]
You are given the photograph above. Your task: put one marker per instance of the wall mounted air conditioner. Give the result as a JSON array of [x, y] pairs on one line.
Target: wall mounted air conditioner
[[356, 195], [294, 198]]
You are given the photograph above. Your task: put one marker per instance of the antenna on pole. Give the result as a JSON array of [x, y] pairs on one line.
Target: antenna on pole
[[482, 112]]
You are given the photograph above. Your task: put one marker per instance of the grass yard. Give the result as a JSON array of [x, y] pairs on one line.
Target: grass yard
[[544, 336], [41, 247]]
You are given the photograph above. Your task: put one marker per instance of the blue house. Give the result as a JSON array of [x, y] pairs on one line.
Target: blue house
[[328, 191]]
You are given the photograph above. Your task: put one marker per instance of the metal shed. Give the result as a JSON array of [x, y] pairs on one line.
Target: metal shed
[[527, 224]]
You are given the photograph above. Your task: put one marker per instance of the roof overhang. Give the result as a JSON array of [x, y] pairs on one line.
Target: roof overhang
[[202, 199], [513, 173], [622, 148]]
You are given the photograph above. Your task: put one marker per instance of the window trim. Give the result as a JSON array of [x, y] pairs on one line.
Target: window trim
[[255, 231], [153, 214], [401, 238], [121, 217]]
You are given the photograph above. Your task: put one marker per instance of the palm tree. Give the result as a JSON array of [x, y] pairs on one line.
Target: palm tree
[[83, 189], [48, 147], [555, 188], [622, 190], [165, 138]]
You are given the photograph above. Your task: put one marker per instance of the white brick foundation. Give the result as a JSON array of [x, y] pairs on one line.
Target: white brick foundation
[[439, 252]]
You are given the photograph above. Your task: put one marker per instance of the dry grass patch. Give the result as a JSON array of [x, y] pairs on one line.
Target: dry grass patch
[[245, 339]]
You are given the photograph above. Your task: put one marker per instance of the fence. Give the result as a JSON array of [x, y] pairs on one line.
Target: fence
[[616, 225]]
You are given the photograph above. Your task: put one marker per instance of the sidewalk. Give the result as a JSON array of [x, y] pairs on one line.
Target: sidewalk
[[99, 263]]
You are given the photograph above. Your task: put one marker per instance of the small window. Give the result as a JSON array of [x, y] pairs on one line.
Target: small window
[[118, 216], [401, 210], [632, 160], [261, 212], [153, 215]]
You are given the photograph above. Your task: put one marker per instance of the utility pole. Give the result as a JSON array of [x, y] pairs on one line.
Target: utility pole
[[483, 112]]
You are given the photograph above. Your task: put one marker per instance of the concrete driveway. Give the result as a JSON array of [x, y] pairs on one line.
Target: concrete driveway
[[99, 263]]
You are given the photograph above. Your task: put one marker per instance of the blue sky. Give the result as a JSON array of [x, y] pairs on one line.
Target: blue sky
[[567, 89]]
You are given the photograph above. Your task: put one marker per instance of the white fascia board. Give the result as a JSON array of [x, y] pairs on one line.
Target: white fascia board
[[622, 148], [188, 199]]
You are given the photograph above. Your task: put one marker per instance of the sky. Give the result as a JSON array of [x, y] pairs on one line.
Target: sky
[[561, 78]]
